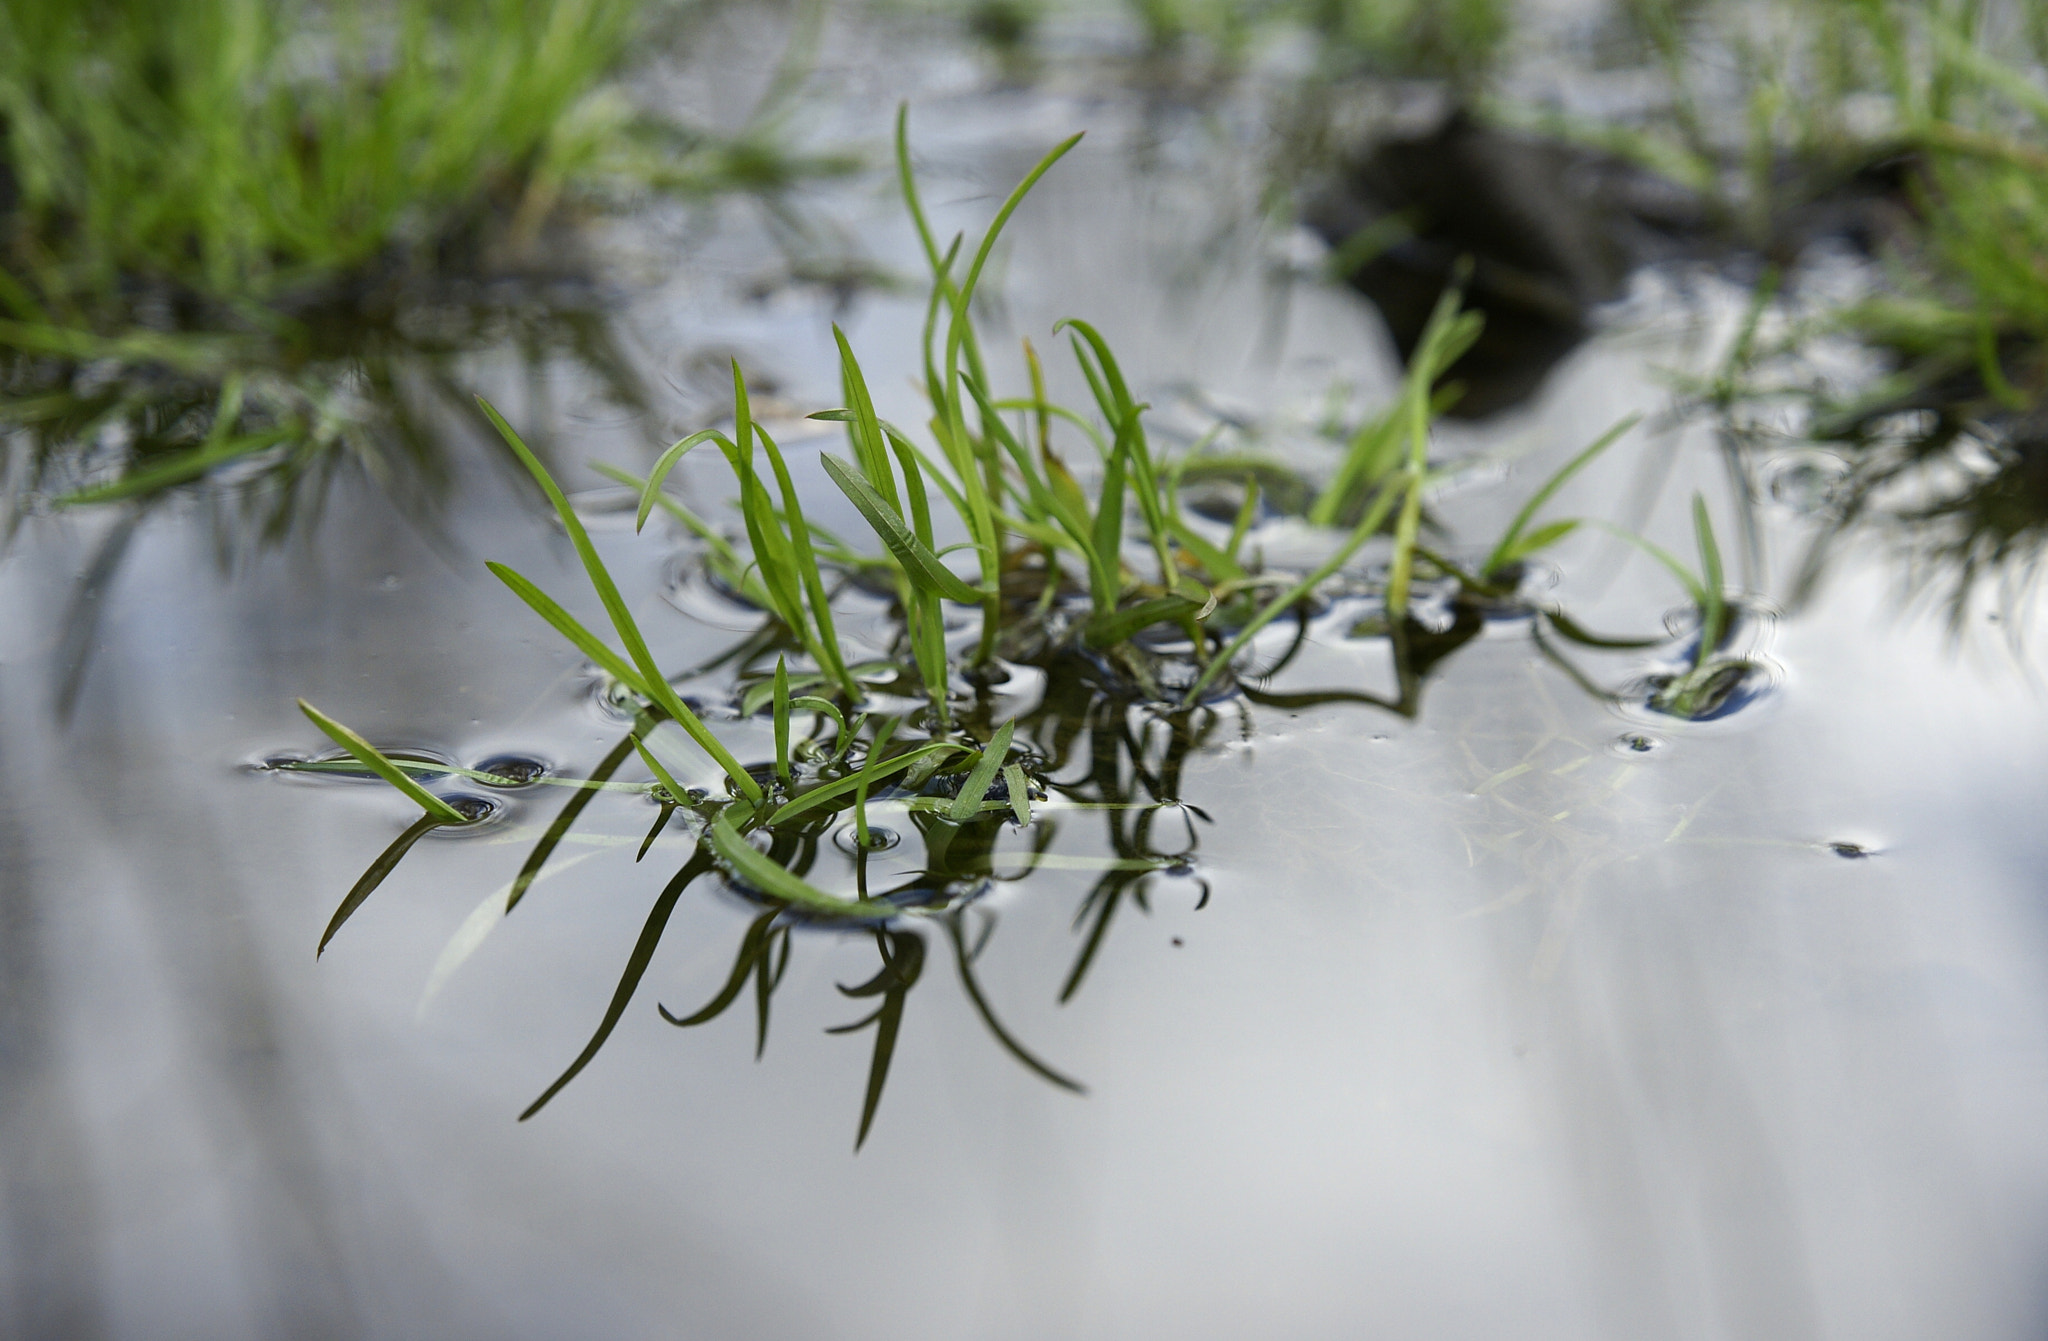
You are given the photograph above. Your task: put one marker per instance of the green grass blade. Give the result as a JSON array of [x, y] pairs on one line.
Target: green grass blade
[[373, 759], [567, 625], [824, 634], [1241, 524], [866, 776], [1713, 610], [1272, 610], [725, 560], [968, 800], [1111, 627], [806, 703], [919, 564], [832, 791], [1507, 550], [676, 791], [772, 879], [664, 464], [1214, 561], [1693, 586], [387, 861], [1366, 461], [652, 680], [995, 228], [865, 428], [782, 720], [1020, 792]]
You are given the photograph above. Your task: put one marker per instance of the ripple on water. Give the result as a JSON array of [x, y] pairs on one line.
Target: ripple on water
[[511, 771], [478, 812]]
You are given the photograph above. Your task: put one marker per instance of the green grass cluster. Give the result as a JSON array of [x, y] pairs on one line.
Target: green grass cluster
[[218, 218]]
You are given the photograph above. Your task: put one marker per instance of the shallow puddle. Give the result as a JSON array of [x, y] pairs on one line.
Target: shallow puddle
[[1484, 1003]]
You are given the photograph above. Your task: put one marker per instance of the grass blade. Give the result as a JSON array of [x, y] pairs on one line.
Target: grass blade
[[569, 627], [1020, 793], [832, 791], [653, 681], [1272, 610], [664, 464], [782, 720], [373, 759], [772, 879], [919, 564], [367, 883], [1713, 610], [1509, 549], [967, 802]]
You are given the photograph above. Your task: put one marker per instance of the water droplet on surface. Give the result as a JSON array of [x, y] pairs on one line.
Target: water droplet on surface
[[1636, 742], [1851, 851]]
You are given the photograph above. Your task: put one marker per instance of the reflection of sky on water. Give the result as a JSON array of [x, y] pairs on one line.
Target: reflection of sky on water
[[1431, 1063]]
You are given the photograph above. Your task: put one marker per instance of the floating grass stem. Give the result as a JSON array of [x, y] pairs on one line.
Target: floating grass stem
[[374, 759]]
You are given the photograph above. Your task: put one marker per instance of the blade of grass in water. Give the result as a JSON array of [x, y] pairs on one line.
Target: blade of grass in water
[[651, 677], [782, 720], [869, 770], [776, 881], [566, 624], [1512, 544], [826, 634], [1272, 610], [1714, 609], [367, 883], [920, 565], [968, 800], [373, 759], [1020, 792], [675, 790], [666, 462], [832, 791]]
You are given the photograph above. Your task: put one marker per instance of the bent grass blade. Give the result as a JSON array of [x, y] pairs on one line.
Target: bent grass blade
[[373, 759], [777, 882], [652, 680], [366, 884]]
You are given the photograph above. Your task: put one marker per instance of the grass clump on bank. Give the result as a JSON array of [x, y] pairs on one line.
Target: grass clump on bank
[[236, 229]]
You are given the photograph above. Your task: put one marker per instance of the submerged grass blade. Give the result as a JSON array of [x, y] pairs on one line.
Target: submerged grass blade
[[367, 883], [629, 981], [373, 759]]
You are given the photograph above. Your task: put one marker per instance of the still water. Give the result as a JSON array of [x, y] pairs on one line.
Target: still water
[[1526, 1015]]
